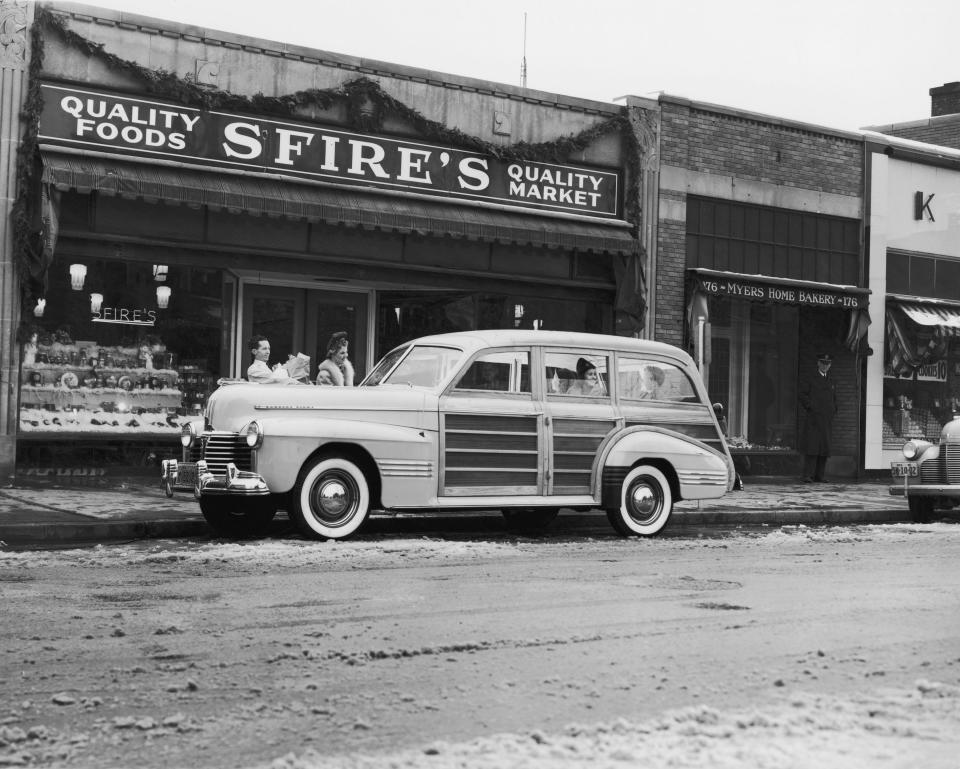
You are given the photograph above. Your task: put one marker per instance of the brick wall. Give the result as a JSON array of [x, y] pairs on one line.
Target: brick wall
[[945, 99], [669, 320], [944, 131], [748, 148]]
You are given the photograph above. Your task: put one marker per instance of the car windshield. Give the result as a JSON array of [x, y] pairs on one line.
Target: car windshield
[[422, 366]]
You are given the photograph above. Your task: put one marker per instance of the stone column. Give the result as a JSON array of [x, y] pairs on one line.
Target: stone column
[[16, 16]]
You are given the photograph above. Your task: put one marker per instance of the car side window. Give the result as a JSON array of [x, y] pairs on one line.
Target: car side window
[[644, 379], [505, 372], [581, 374]]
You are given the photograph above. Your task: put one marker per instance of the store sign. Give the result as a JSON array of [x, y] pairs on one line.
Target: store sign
[[782, 294], [126, 316], [932, 372], [166, 131]]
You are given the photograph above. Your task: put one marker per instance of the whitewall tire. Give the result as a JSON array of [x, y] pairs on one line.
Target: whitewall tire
[[331, 499], [646, 503]]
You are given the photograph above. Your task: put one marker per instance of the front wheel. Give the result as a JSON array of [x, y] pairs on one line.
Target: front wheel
[[921, 509], [331, 499], [645, 503], [238, 519]]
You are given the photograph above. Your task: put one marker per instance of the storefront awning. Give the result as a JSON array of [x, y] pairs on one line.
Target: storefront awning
[[271, 196], [704, 283], [943, 317], [918, 333]]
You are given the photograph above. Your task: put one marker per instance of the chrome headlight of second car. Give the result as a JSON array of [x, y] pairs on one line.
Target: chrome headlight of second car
[[188, 435], [913, 450], [254, 434]]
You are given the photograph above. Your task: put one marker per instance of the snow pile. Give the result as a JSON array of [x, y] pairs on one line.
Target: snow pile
[[901, 729], [271, 553], [887, 532]]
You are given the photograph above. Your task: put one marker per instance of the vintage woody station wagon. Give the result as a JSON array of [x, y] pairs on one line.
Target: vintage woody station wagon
[[526, 422]]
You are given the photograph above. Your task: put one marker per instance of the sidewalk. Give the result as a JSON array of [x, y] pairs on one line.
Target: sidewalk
[[65, 516]]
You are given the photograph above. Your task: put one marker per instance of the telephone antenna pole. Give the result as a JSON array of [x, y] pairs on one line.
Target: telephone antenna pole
[[523, 63]]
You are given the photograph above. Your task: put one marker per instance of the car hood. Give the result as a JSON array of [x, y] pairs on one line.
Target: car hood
[[232, 407]]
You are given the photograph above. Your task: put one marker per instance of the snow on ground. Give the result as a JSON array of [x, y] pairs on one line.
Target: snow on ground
[[891, 729], [396, 550]]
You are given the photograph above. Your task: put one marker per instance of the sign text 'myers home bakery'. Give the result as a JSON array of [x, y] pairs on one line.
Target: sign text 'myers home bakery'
[[161, 131]]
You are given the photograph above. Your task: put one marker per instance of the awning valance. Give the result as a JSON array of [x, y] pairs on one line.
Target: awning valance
[[704, 283], [279, 197], [767, 288]]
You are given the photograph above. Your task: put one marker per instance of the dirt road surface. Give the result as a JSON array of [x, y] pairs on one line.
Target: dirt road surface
[[747, 648]]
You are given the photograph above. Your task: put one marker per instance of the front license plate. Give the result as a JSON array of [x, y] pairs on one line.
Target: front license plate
[[187, 474], [901, 469]]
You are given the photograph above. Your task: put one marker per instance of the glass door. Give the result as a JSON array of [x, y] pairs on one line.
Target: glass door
[[302, 320]]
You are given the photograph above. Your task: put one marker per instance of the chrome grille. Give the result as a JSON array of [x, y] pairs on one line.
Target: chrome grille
[[945, 468], [221, 448], [951, 457]]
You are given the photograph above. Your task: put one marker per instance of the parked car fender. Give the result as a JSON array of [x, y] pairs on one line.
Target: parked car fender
[[698, 471], [289, 442]]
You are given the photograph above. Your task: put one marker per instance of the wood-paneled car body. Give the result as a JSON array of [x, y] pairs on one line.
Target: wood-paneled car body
[[929, 479], [527, 422]]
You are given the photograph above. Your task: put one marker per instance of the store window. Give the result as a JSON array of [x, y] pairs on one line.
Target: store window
[[121, 348], [921, 379], [752, 371], [403, 316]]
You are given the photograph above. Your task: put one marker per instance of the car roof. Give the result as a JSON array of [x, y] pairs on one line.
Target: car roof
[[475, 340]]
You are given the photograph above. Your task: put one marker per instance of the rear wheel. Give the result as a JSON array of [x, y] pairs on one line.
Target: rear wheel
[[921, 509], [646, 503], [331, 499], [238, 519]]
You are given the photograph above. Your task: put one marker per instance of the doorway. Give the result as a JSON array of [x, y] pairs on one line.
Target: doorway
[[297, 319]]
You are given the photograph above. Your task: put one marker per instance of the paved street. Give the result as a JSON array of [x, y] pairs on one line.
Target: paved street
[[769, 646]]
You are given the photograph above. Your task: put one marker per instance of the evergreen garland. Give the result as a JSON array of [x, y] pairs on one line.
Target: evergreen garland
[[367, 105]]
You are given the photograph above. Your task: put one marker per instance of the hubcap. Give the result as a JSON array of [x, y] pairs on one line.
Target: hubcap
[[334, 499], [645, 502]]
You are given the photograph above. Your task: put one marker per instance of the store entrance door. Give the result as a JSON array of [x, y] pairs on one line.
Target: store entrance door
[[302, 320]]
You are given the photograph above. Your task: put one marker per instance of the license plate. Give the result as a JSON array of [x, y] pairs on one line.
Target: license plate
[[901, 469], [187, 474]]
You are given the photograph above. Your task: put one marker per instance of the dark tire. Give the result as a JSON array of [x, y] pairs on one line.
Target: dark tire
[[331, 499], [646, 503], [238, 519], [531, 519], [921, 509]]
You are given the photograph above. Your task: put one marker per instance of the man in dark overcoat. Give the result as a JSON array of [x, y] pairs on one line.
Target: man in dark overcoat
[[818, 399]]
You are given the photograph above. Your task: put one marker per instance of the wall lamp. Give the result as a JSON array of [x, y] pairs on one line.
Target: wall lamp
[[78, 273]]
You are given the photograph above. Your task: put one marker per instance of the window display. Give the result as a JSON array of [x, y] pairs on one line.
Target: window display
[[120, 349]]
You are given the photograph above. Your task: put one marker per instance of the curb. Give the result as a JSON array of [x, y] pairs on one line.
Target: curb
[[86, 533], [100, 531], [810, 517]]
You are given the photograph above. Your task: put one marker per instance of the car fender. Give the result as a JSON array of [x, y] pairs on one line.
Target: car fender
[[701, 471], [289, 442]]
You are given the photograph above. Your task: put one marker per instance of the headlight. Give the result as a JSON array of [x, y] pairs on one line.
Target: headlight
[[188, 435], [254, 435], [911, 450]]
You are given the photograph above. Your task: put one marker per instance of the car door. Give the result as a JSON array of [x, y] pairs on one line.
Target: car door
[[579, 415], [491, 428]]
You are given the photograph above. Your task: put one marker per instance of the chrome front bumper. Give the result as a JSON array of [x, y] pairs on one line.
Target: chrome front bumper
[[925, 490], [190, 476]]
